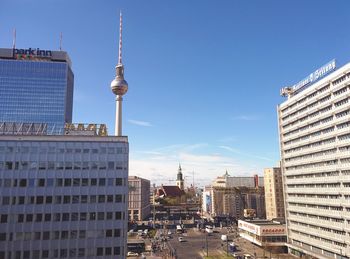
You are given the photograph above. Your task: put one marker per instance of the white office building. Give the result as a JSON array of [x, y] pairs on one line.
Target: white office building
[[314, 128], [63, 196]]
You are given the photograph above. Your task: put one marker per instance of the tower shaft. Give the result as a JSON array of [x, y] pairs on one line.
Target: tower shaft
[[118, 115]]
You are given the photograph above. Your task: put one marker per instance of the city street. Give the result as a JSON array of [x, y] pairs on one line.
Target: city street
[[195, 244]]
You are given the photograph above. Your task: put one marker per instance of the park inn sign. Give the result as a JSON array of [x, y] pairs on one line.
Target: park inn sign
[[32, 53]]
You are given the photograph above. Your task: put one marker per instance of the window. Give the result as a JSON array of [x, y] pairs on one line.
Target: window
[[38, 217], [76, 182], [92, 216], [118, 198], [29, 217], [102, 182], [3, 218], [67, 182], [41, 182], [65, 217], [119, 181], [100, 215], [99, 251], [66, 199], [47, 217], [117, 232], [109, 233], [108, 251], [46, 235], [85, 182], [2, 236], [101, 199], [118, 215], [23, 182]]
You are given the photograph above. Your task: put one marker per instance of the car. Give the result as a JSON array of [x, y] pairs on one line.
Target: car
[[169, 232], [132, 254], [247, 256], [181, 239]]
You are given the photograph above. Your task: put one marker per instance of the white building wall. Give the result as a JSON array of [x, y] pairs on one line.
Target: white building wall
[[315, 149], [63, 196]]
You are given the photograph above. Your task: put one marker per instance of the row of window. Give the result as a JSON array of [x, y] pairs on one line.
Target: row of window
[[314, 114], [319, 239], [60, 235], [323, 174], [57, 150], [313, 206], [307, 117], [311, 226], [57, 217], [320, 196], [313, 94], [314, 165], [318, 143], [59, 165], [62, 253], [62, 199], [310, 96], [62, 182], [314, 185], [317, 217], [316, 154]]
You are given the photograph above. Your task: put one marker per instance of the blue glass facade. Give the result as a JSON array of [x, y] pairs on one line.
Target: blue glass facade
[[36, 91]]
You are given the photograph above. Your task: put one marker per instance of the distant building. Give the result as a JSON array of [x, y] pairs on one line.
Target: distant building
[[238, 181], [230, 196], [36, 87], [270, 235], [179, 179], [63, 196], [206, 199], [169, 191], [139, 198], [274, 193]]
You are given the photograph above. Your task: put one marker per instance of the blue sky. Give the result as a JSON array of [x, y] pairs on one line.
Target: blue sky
[[204, 75]]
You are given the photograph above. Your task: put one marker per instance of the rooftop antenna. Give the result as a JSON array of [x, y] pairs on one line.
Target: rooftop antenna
[[61, 41], [14, 39]]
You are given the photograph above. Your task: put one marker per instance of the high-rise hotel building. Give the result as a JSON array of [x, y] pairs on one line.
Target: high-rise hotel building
[[36, 86], [314, 128]]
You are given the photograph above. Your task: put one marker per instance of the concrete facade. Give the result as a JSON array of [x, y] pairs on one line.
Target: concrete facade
[[63, 196], [315, 143], [273, 193], [139, 198]]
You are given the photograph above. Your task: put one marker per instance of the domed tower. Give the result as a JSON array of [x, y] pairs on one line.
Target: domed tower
[[179, 179], [119, 86]]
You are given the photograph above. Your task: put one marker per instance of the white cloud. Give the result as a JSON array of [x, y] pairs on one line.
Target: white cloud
[[140, 123], [160, 165], [246, 118], [236, 151]]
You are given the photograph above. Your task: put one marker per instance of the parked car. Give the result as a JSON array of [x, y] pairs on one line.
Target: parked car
[[181, 239]]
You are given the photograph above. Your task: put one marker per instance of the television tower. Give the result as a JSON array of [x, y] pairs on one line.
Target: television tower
[[119, 86]]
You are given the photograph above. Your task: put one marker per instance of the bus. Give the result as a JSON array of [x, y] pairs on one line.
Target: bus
[[179, 229]]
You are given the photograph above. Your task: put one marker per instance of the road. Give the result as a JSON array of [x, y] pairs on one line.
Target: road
[[195, 245]]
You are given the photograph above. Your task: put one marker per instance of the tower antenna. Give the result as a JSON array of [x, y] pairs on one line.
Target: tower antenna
[[120, 37], [119, 86], [61, 41], [14, 39]]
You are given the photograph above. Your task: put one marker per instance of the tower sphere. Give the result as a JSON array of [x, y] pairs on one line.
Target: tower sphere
[[119, 86]]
